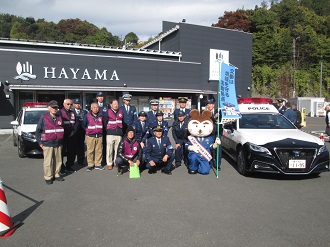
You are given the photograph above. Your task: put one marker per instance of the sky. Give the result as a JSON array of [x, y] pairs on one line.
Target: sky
[[142, 17]]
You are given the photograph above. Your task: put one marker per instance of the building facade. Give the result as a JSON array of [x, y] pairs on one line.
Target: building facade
[[177, 63]]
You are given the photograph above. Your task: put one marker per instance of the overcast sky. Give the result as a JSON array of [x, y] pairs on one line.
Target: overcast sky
[[143, 17]]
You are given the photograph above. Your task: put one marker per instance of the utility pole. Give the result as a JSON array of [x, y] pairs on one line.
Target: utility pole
[[294, 67], [321, 80]]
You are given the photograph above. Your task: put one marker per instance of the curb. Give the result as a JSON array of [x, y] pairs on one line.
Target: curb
[[6, 131]]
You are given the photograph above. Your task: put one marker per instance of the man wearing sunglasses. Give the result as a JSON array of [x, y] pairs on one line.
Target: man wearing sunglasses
[[70, 126]]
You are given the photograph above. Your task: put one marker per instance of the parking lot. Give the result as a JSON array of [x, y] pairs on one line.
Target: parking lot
[[100, 209]]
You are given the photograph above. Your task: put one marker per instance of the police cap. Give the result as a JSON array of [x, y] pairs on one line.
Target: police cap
[[157, 128], [210, 101], [154, 102], [127, 97], [77, 101], [182, 99], [181, 114], [142, 114], [159, 113], [100, 94]]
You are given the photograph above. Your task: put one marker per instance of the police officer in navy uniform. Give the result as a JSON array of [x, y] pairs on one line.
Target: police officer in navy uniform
[[129, 111], [70, 126], [100, 101], [159, 153], [183, 104], [142, 129], [159, 121], [151, 116], [180, 135], [281, 106], [80, 135], [103, 108]]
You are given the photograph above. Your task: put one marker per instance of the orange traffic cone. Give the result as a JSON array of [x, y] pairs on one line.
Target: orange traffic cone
[[7, 228]]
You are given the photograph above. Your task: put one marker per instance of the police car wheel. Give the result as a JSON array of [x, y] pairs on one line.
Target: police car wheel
[[14, 140], [241, 162], [20, 149]]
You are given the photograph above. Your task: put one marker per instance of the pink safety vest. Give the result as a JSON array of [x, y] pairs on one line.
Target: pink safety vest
[[115, 120], [128, 152], [52, 130], [94, 125]]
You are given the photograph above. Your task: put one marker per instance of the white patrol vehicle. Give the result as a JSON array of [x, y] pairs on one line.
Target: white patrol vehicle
[[24, 128], [263, 140]]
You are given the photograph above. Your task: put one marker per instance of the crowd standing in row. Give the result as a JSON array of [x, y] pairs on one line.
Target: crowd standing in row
[[113, 135]]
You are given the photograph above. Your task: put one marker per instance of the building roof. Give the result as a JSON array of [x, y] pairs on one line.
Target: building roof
[[89, 47], [160, 37]]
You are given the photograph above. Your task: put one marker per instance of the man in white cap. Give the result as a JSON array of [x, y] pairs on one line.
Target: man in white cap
[[151, 115], [129, 111]]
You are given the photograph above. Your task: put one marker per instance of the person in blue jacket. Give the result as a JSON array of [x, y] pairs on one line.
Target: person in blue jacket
[[182, 104], [129, 111], [159, 153], [159, 121], [151, 115]]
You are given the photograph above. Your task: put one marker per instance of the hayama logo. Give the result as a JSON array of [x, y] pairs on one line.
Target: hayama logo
[[24, 72]]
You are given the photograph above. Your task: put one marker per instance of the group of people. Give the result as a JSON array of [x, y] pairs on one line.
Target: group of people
[[114, 136], [290, 111]]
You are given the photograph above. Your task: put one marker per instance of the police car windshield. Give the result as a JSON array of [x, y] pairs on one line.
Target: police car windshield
[[264, 121], [32, 117]]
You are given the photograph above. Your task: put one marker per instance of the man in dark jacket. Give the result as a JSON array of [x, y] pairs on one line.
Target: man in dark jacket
[[50, 134], [70, 129], [129, 152], [182, 104], [129, 111], [159, 152], [159, 121], [79, 137], [180, 135]]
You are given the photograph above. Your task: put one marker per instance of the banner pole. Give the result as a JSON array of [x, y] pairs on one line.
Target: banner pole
[[218, 118]]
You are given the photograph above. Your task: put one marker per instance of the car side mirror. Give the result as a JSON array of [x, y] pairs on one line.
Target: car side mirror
[[14, 122], [229, 126]]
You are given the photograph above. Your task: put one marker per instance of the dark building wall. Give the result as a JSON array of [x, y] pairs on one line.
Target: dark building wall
[[133, 72], [196, 41]]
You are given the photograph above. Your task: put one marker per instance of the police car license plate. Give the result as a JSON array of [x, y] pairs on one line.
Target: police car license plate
[[297, 164]]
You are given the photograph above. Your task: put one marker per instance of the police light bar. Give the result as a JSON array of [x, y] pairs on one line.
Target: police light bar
[[35, 104], [254, 101]]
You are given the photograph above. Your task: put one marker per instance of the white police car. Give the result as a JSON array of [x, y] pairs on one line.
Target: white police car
[[24, 128], [263, 140]]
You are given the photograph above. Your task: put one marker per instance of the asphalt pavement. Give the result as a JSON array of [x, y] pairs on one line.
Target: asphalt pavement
[[100, 209]]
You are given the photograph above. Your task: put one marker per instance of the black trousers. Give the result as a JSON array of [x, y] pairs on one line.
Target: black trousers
[[79, 150], [68, 150], [181, 153]]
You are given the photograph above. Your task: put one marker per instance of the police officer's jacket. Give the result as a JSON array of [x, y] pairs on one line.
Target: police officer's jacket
[[180, 133], [154, 152]]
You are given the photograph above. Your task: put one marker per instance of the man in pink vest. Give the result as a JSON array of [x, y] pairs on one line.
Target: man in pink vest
[[113, 122], [93, 126], [50, 134]]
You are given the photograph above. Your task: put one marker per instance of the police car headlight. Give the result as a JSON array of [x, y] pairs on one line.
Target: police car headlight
[[28, 136], [322, 149], [259, 149]]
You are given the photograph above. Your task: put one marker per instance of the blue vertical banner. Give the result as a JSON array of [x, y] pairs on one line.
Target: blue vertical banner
[[227, 93]]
